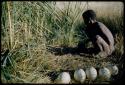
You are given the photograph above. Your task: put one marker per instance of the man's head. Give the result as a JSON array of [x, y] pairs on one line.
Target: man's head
[[89, 16]]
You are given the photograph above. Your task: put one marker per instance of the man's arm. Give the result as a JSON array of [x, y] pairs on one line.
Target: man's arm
[[107, 33]]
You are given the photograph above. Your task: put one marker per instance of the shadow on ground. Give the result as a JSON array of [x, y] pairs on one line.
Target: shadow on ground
[[71, 50]]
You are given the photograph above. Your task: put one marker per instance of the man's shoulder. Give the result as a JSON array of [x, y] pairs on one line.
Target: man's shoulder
[[100, 24]]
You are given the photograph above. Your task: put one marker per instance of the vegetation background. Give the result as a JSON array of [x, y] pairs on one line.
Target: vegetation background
[[29, 27]]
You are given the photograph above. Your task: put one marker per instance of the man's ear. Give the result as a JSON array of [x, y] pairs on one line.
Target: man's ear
[[90, 20]]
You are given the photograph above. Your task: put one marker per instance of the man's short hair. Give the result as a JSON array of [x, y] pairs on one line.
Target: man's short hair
[[89, 14]]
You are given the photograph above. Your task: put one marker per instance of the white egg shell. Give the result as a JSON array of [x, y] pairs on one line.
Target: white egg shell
[[79, 75], [91, 73], [113, 69], [63, 78], [104, 74]]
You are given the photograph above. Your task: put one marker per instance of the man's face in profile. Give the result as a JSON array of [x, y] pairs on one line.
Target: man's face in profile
[[86, 21]]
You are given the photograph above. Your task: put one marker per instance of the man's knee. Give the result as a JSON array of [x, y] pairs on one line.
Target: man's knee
[[98, 39], [97, 36], [104, 47]]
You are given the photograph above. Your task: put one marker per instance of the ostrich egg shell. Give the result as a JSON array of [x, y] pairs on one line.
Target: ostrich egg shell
[[91, 73], [113, 69], [63, 78], [79, 75], [104, 73]]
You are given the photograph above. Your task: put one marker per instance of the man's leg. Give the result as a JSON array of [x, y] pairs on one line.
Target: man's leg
[[103, 46]]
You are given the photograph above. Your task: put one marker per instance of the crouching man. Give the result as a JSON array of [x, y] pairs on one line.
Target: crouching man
[[100, 36]]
